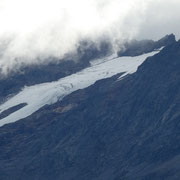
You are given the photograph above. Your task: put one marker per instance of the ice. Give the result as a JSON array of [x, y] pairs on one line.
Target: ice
[[48, 93]]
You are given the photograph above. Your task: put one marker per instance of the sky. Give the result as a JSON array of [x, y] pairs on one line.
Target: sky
[[33, 30]]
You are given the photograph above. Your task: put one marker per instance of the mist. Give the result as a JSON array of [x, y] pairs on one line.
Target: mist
[[32, 31]]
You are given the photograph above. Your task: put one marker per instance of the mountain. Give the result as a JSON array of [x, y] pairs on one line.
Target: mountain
[[56, 69], [116, 129], [20, 106], [53, 70], [135, 48]]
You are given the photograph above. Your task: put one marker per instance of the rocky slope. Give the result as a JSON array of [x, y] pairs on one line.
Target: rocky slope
[[113, 130], [135, 48]]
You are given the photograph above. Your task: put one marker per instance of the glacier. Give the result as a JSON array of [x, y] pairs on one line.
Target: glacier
[[37, 96]]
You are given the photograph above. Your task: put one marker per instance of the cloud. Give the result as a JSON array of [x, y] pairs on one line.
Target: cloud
[[32, 31], [161, 18]]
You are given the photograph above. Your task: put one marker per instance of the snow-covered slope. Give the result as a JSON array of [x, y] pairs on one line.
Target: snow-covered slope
[[48, 93]]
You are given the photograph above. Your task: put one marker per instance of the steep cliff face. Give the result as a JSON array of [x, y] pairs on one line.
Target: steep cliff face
[[126, 129]]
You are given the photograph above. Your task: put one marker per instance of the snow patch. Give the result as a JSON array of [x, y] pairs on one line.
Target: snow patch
[[48, 93]]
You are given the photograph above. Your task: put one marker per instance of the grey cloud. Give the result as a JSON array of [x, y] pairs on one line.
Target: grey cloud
[[34, 30]]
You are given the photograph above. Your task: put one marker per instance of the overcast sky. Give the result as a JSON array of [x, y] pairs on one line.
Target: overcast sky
[[43, 28]]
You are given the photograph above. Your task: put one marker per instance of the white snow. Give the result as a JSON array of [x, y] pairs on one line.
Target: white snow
[[48, 93]]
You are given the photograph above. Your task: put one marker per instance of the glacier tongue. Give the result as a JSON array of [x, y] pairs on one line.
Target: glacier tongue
[[48, 93]]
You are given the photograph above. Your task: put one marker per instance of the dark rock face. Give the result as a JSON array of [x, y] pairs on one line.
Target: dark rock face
[[11, 110], [135, 48], [113, 130], [88, 50]]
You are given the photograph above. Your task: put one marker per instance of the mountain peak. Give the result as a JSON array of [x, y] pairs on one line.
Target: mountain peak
[[136, 48], [166, 40]]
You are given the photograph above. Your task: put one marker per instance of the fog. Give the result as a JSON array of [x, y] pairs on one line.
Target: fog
[[32, 31]]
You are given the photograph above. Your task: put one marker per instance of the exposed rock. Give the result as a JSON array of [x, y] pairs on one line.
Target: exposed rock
[[120, 130], [11, 110], [64, 109], [135, 48]]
